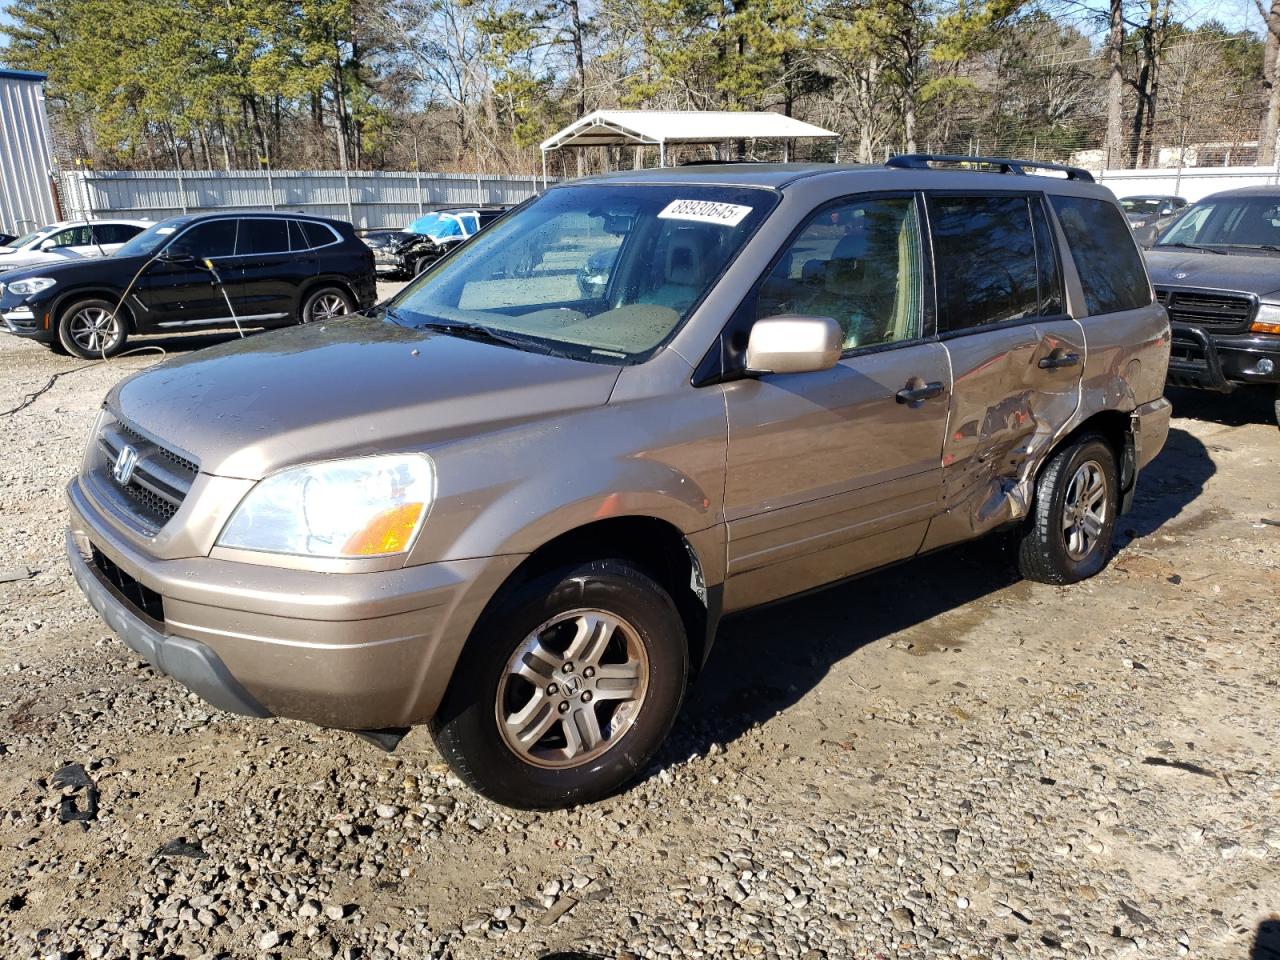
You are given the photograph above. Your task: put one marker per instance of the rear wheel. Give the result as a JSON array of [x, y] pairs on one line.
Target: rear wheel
[[327, 303], [1068, 535], [92, 330], [567, 689]]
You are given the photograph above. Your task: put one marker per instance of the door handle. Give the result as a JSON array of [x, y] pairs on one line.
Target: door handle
[[1056, 360], [924, 391]]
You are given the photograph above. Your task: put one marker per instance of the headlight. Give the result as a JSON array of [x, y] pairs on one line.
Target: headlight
[[1268, 319], [34, 285], [363, 507]]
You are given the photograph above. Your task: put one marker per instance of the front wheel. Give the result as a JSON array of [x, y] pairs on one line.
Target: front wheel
[[327, 303], [1068, 535], [92, 330], [567, 688], [1278, 405]]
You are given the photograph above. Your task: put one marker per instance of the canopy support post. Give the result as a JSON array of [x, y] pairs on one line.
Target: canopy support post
[[662, 153], [544, 169]]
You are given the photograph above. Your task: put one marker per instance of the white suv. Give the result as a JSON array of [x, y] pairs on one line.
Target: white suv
[[69, 240]]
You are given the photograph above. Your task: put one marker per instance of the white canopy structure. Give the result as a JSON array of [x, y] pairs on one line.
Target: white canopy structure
[[662, 128]]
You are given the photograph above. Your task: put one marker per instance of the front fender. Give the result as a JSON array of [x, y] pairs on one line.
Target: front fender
[[512, 491]]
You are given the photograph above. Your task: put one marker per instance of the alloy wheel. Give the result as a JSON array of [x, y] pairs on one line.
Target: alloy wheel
[[328, 306], [94, 329], [1084, 510], [572, 689]]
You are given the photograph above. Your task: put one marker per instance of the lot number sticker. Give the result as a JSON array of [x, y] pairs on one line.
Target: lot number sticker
[[705, 211]]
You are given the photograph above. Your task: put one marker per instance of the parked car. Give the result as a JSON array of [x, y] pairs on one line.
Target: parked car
[[1148, 215], [1217, 272], [69, 240], [518, 511], [206, 271], [408, 252]]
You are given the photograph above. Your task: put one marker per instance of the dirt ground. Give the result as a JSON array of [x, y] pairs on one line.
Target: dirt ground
[[937, 760]]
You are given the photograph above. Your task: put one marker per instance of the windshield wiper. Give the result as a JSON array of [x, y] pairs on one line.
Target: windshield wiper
[[1194, 246], [1257, 246], [478, 331]]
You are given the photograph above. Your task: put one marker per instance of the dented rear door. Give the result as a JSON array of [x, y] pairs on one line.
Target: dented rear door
[[1016, 356]]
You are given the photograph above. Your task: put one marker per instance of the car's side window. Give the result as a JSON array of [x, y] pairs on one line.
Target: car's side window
[[216, 238], [72, 237], [858, 262], [988, 264], [1105, 254], [317, 234], [114, 232], [262, 236]]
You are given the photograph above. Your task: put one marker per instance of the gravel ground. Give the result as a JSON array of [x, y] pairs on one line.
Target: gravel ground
[[938, 760]]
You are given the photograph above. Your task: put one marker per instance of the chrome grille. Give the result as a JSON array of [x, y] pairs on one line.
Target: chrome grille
[[1224, 312], [160, 480]]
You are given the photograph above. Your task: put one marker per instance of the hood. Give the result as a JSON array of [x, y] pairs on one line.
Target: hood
[[1240, 273], [28, 258], [249, 407], [109, 267]]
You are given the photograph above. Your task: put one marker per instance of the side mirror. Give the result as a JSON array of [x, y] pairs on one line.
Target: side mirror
[[793, 343], [177, 256], [49, 244]]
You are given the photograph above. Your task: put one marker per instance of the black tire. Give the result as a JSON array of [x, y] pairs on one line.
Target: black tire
[[1278, 405], [1044, 553], [467, 730], [422, 265], [316, 306], [76, 337]]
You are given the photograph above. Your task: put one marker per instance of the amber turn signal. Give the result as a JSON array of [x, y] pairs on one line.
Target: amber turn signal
[[389, 532], [1261, 326]]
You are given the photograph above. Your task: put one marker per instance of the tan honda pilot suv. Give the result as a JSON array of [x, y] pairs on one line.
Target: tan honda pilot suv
[[515, 501]]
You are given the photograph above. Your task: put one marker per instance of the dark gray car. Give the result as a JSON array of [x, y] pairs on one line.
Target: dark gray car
[[1217, 271], [1148, 215], [516, 502]]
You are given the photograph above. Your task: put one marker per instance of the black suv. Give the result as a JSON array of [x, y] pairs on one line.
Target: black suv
[[205, 271], [1217, 272]]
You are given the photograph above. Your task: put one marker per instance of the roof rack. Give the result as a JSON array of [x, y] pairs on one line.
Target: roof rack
[[924, 161]]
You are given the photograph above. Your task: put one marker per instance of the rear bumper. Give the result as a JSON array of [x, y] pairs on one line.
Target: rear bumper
[[355, 651], [1207, 362], [1150, 430]]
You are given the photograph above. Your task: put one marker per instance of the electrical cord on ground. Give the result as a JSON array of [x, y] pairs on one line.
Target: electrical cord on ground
[[35, 395]]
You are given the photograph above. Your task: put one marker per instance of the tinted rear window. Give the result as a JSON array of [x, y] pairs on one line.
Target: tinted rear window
[[263, 236], [1105, 255], [317, 234], [988, 266]]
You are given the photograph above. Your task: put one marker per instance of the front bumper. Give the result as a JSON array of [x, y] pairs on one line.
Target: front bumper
[[24, 320], [1221, 362], [356, 651]]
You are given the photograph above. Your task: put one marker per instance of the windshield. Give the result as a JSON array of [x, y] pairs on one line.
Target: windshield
[[599, 272], [30, 240], [1141, 205], [1241, 222], [437, 226], [151, 239]]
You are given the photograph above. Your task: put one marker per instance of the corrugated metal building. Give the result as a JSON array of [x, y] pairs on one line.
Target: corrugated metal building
[[26, 160]]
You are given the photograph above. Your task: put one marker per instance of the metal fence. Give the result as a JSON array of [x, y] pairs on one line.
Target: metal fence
[[367, 199], [26, 200], [1190, 182]]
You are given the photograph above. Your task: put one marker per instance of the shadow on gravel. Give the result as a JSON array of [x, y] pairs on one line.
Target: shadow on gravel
[[1168, 485], [1243, 406], [1266, 942], [766, 660]]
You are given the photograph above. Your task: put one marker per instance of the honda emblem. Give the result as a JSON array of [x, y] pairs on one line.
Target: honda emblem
[[126, 460]]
